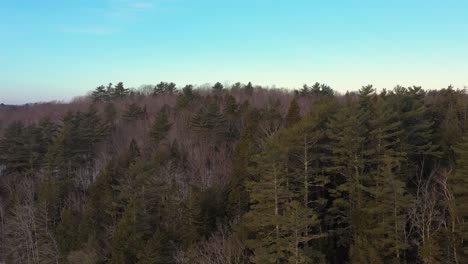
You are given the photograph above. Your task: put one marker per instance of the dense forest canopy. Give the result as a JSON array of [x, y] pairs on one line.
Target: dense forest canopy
[[238, 174]]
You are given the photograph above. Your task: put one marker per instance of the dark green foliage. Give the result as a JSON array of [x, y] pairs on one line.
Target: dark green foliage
[[128, 239], [278, 222], [160, 128], [210, 122], [218, 87], [236, 86], [294, 114], [458, 202], [207, 210], [346, 165], [75, 143], [187, 96], [230, 108], [101, 94], [13, 147], [164, 87], [155, 251], [238, 197], [134, 112], [365, 177], [316, 90], [119, 91], [23, 148], [249, 88], [231, 111]]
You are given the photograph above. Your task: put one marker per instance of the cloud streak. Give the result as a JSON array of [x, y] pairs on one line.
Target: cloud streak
[[132, 4], [118, 14], [141, 5], [90, 30]]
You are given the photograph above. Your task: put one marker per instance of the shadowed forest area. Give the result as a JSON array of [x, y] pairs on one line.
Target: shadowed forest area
[[239, 174]]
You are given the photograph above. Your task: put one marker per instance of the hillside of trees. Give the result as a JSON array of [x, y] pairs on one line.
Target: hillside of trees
[[239, 174]]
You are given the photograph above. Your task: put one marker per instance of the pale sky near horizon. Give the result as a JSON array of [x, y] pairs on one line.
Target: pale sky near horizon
[[55, 50]]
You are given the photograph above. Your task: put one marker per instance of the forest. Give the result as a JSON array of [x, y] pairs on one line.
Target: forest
[[236, 174]]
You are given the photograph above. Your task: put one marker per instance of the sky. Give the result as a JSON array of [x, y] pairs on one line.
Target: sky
[[59, 49]]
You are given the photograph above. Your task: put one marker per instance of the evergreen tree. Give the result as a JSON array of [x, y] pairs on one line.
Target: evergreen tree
[[109, 117], [230, 106], [249, 88], [120, 91], [128, 239], [417, 140], [155, 251], [294, 114], [388, 195], [231, 111], [164, 87], [304, 90], [238, 197], [278, 221], [458, 184], [346, 166], [236, 86], [160, 127], [13, 148], [218, 87], [187, 96], [100, 94], [268, 195], [134, 112], [210, 122]]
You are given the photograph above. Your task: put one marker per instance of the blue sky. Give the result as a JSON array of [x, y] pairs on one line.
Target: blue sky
[[60, 49]]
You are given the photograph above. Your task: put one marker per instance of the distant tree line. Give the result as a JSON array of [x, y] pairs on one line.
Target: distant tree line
[[240, 174]]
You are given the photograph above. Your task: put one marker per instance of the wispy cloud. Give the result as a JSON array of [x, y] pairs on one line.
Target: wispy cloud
[[117, 15], [90, 30], [138, 4]]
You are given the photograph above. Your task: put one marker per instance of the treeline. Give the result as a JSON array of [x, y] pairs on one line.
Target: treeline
[[239, 174]]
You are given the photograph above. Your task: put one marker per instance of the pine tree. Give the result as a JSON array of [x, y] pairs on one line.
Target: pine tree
[[236, 86], [417, 140], [109, 117], [155, 251], [304, 90], [208, 210], [388, 199], [161, 127], [13, 148], [231, 111], [346, 165], [218, 87], [230, 106], [164, 87], [100, 215], [249, 88], [386, 211], [128, 239], [210, 122], [119, 91], [279, 222], [268, 194], [238, 197], [100, 94], [171, 88], [159, 88], [187, 96], [458, 184], [294, 114], [110, 90], [134, 112], [450, 132]]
